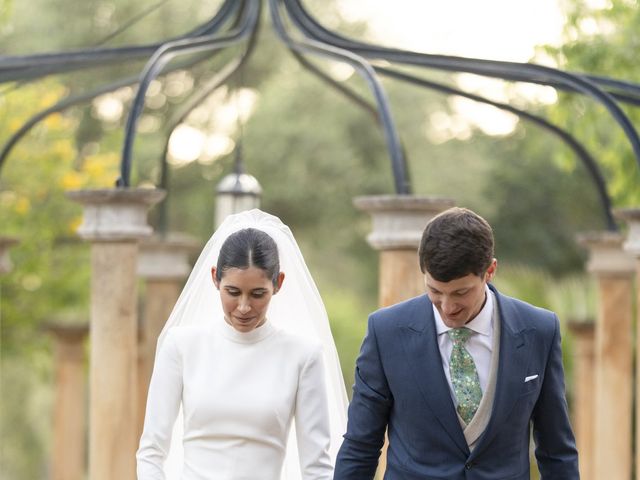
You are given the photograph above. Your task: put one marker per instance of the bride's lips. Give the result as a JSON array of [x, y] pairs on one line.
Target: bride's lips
[[244, 319]]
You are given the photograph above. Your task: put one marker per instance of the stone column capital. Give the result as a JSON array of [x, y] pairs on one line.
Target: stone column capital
[[115, 214], [5, 262], [68, 339], [632, 217], [68, 333], [166, 257], [398, 220], [606, 253], [581, 328]]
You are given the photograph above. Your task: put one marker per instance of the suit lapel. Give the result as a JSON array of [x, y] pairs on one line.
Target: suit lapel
[[420, 344], [515, 354]]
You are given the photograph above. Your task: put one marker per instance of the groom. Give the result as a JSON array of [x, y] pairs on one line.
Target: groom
[[459, 376]]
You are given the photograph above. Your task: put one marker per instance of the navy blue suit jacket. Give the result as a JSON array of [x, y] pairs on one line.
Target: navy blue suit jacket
[[400, 386]]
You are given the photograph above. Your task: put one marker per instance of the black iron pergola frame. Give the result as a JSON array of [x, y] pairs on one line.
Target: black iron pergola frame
[[237, 22]]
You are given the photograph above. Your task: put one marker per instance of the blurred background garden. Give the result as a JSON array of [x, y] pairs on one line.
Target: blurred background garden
[[312, 150]]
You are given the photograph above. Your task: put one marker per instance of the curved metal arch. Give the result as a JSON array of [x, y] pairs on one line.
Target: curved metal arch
[[162, 57], [24, 67], [71, 101], [226, 12], [587, 160], [620, 89], [344, 90], [527, 71], [212, 84], [394, 146], [62, 105]]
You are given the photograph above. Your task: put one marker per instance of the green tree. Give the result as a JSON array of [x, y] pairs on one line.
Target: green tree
[[602, 40], [51, 273]]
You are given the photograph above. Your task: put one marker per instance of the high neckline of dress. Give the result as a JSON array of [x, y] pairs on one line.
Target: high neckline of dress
[[254, 336]]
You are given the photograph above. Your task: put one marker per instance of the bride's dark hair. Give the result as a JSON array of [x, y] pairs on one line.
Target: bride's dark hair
[[249, 248]]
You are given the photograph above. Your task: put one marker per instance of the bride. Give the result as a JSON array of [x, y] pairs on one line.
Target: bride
[[246, 353]]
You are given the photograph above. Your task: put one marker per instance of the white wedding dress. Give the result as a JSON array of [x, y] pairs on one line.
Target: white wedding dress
[[238, 409], [269, 404]]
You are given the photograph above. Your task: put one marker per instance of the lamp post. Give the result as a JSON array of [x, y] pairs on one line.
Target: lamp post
[[236, 192]]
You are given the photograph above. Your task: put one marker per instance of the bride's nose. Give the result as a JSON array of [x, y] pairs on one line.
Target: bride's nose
[[243, 306]]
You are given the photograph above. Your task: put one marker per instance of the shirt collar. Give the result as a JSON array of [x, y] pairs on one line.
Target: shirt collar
[[482, 323]]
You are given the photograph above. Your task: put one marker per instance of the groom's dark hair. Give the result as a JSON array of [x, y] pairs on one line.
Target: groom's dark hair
[[454, 244], [246, 248]]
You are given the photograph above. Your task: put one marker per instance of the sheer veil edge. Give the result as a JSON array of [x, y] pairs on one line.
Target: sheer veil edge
[[297, 308]]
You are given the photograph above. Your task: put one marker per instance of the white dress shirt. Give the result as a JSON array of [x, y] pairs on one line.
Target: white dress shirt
[[479, 345]]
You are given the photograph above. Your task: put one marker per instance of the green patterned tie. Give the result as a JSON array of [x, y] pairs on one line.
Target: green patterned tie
[[464, 376]]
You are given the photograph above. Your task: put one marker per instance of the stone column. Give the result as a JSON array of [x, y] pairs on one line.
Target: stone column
[[163, 264], [5, 262], [113, 221], [632, 246], [583, 409], [613, 270], [397, 225], [69, 422]]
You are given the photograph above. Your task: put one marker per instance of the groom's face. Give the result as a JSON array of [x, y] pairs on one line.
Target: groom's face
[[460, 300]]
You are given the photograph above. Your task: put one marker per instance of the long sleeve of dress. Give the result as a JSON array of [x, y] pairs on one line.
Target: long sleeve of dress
[[312, 420], [163, 403]]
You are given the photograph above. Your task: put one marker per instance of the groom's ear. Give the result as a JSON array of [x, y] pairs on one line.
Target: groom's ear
[[213, 277]]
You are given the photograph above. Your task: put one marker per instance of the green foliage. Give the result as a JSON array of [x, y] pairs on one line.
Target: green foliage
[[348, 324], [311, 149], [25, 421], [51, 270], [604, 41], [537, 206], [66, 24], [572, 298]]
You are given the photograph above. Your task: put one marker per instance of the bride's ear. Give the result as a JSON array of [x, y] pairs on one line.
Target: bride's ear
[[213, 277], [279, 281]]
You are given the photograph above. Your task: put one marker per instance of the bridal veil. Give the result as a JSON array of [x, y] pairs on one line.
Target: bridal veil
[[297, 308]]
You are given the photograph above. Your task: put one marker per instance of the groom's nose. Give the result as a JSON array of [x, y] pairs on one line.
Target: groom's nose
[[447, 305]]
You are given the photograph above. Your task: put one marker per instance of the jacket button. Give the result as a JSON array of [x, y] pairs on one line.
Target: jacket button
[[468, 466]]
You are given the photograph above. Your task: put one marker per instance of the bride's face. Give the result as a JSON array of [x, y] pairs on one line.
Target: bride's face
[[245, 295]]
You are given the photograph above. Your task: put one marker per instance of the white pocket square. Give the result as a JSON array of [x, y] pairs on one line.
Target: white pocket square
[[529, 378]]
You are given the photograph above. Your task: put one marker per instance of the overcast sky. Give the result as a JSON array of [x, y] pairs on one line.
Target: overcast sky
[[495, 29]]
